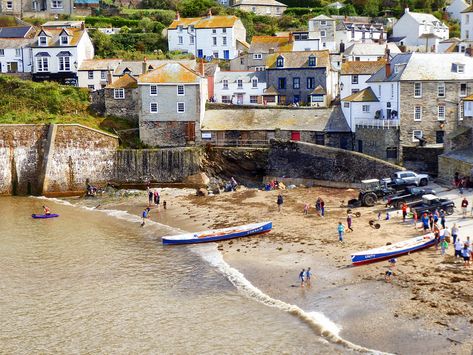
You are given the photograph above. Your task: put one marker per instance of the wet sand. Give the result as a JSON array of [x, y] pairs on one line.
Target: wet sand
[[426, 309]]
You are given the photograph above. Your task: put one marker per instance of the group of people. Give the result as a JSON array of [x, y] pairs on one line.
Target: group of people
[[153, 199], [319, 207], [305, 276], [462, 182], [230, 185], [274, 185]]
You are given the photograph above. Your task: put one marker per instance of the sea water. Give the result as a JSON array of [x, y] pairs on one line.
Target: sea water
[[96, 282]]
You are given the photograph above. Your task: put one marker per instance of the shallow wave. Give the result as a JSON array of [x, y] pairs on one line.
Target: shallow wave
[[316, 320]]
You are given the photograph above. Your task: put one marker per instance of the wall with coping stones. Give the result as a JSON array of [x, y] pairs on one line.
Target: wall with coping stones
[[311, 161]]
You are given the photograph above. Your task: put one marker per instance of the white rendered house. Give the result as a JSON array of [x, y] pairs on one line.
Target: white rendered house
[[15, 51], [467, 24], [220, 37], [240, 87], [455, 9], [59, 52], [415, 29]]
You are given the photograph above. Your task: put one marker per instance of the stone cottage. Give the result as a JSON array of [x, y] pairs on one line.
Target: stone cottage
[[121, 98]]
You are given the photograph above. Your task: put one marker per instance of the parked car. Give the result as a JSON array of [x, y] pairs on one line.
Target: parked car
[[430, 203], [412, 177], [409, 195], [370, 192], [399, 184]]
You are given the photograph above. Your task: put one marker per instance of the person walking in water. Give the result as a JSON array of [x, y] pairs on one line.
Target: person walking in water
[[280, 201], [341, 230], [301, 277], [145, 215], [150, 197], [308, 275]]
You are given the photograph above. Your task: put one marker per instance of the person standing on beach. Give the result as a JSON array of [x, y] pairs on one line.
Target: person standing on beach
[[464, 206], [150, 197], [454, 232], [458, 248], [145, 215], [415, 217], [404, 211], [280, 201], [349, 220], [443, 247], [308, 274], [431, 221], [466, 253], [317, 206], [341, 230], [322, 208], [425, 222], [301, 277], [306, 209]]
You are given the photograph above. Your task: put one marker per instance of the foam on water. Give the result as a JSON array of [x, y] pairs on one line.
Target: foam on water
[[316, 320], [208, 252]]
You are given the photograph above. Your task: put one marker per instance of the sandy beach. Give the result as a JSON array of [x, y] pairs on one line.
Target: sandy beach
[[427, 308]]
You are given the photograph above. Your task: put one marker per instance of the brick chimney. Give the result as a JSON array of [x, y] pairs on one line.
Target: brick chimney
[[209, 14], [178, 16], [82, 25], [388, 62], [201, 67]]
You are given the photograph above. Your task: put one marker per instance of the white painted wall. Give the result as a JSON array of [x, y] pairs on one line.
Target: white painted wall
[[84, 81], [247, 90], [466, 28], [455, 9], [306, 45], [53, 59], [23, 60], [348, 86]]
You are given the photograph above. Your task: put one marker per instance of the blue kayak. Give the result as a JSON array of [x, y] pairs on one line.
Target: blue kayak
[[52, 215]]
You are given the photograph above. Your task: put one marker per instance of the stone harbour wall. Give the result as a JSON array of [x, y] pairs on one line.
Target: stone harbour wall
[[311, 161]]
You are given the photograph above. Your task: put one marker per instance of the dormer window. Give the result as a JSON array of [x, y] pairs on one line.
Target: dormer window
[[458, 68], [179, 28], [280, 62], [42, 41], [64, 40], [312, 61]]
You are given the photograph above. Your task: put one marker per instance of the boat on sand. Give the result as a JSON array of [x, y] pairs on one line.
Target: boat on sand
[[42, 216], [219, 234], [390, 251]]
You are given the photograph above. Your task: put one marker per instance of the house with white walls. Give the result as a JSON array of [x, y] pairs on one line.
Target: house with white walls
[[222, 37], [466, 24], [58, 53], [15, 51], [96, 74], [354, 74], [420, 30], [240, 87], [455, 9], [369, 51], [356, 31]]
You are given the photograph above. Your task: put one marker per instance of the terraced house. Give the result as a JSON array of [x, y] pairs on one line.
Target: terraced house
[[172, 101], [304, 78]]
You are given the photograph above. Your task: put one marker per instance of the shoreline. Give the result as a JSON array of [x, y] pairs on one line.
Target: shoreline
[[371, 313]]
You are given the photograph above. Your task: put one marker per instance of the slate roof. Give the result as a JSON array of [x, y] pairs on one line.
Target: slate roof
[[136, 66], [301, 119], [15, 32], [62, 24], [53, 35], [365, 95], [468, 9], [99, 64], [259, 3], [372, 49], [299, 59], [124, 82], [361, 67], [205, 22], [246, 76], [262, 44], [15, 42], [170, 73]]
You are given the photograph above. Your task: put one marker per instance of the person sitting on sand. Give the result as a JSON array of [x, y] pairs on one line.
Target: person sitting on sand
[[301, 277], [392, 263], [46, 210], [388, 276]]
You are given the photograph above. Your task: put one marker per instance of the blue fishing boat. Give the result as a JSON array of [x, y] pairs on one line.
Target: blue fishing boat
[[42, 216], [219, 234], [393, 250]]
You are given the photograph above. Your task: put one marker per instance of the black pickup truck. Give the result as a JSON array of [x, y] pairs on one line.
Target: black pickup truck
[[430, 203], [409, 195]]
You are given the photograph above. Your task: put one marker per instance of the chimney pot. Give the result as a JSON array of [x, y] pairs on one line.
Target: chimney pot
[[178, 16], [271, 50], [209, 14], [388, 69]]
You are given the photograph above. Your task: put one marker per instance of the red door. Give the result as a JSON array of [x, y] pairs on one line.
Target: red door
[[295, 136]]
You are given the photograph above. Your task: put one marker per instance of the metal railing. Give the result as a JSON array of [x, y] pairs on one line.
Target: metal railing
[[238, 143], [376, 123]]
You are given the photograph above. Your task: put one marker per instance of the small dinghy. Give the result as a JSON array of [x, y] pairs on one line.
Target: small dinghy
[[42, 216], [393, 250], [219, 234]]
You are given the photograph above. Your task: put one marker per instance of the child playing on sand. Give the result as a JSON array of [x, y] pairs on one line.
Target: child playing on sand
[[306, 209], [301, 277], [341, 230], [388, 276], [145, 215], [443, 246], [392, 263], [466, 253], [308, 274]]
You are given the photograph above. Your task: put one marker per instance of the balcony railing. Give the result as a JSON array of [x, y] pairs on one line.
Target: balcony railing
[[376, 123]]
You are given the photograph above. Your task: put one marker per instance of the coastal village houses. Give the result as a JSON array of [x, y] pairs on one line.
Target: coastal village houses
[[239, 87], [466, 27], [455, 9], [354, 74], [58, 53], [415, 99], [222, 37], [417, 30], [15, 49], [260, 7], [172, 101]]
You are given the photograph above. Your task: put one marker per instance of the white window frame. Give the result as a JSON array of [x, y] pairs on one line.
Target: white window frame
[[415, 113], [181, 90], [441, 90], [42, 41], [323, 34], [9, 5], [57, 4], [17, 52], [42, 64], [191, 39], [64, 64], [253, 99], [465, 93], [2, 52], [323, 23], [417, 90], [254, 83], [153, 90], [90, 74], [91, 87], [183, 107], [226, 99], [224, 41], [354, 79], [153, 105], [225, 84], [365, 108], [240, 84], [180, 40], [414, 139], [441, 112], [257, 56], [460, 68], [214, 41], [119, 94], [64, 40], [103, 75]]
